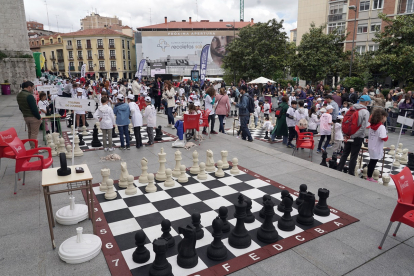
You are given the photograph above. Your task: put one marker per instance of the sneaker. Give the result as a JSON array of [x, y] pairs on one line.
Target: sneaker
[[172, 126], [237, 137], [213, 132], [106, 149], [122, 148], [250, 140], [128, 147], [371, 179], [290, 146], [323, 149], [111, 149], [204, 132], [318, 151], [329, 146]]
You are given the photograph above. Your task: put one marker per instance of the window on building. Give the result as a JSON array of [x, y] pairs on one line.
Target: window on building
[[123, 44], [360, 49], [69, 42], [123, 54], [340, 26], [100, 53], [37, 43], [80, 54], [59, 40], [101, 64], [336, 8], [124, 65], [375, 27], [43, 42], [129, 55], [89, 54], [90, 64], [362, 29], [71, 64], [79, 43], [100, 43], [129, 65], [373, 47], [364, 6], [70, 54], [112, 53], [111, 42], [410, 6], [377, 4], [80, 63], [53, 54], [113, 64], [128, 44], [51, 41], [88, 43]]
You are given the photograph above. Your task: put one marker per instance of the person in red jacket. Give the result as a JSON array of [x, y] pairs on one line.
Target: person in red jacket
[[377, 137]]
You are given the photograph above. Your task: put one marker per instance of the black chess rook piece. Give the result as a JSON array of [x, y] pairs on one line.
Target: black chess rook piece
[[141, 254], [223, 216], [95, 140], [267, 233], [262, 211], [81, 142], [187, 255], [302, 192], [305, 216], [324, 156], [158, 134], [166, 228], [114, 135], [196, 220], [321, 208], [239, 237], [160, 266], [286, 222], [249, 216], [217, 251], [281, 207], [266, 135]]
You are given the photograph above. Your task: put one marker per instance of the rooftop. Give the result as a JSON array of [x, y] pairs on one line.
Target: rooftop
[[203, 24], [99, 31]]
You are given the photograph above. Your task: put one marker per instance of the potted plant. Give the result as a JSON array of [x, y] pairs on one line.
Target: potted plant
[[5, 87]]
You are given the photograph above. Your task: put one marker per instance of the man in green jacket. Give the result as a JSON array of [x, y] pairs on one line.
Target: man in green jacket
[[27, 105], [281, 128]]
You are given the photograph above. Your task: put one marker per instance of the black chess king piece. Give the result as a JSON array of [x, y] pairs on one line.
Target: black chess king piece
[[321, 208], [239, 237], [305, 216], [141, 254], [217, 251], [160, 266], [187, 255]]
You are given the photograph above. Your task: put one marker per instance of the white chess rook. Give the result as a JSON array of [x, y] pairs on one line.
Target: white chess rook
[[105, 176]]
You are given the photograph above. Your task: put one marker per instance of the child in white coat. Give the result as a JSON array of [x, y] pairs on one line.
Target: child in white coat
[[313, 120], [339, 137], [136, 120], [107, 121], [150, 116]]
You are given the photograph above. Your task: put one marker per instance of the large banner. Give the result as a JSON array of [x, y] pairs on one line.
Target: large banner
[[140, 68], [83, 70], [203, 63]]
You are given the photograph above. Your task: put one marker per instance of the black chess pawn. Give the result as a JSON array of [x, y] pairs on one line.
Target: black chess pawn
[[158, 134], [81, 142], [196, 220], [160, 266], [239, 237], [305, 216], [281, 207], [223, 216], [333, 163], [166, 228], [324, 156], [286, 222], [217, 251], [249, 216], [321, 208], [95, 140], [266, 135], [141, 254], [262, 211], [302, 192], [267, 233], [114, 135], [187, 255]]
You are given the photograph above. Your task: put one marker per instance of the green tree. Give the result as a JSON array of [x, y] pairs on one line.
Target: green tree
[[318, 54], [260, 50], [395, 55]]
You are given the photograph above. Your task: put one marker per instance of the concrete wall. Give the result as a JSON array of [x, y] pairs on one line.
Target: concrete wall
[[16, 71]]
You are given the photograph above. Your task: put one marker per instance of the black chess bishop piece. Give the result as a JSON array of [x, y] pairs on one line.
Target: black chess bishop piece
[[141, 254], [266, 135], [196, 220], [305, 216], [114, 135], [223, 216], [95, 140], [187, 255], [239, 237], [262, 211], [249, 216], [410, 163], [267, 233], [302, 192], [321, 208], [81, 142], [158, 134], [324, 156], [160, 266], [286, 222], [217, 251], [166, 228], [285, 193]]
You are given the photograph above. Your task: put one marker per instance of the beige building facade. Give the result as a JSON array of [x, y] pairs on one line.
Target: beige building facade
[[310, 11], [95, 21]]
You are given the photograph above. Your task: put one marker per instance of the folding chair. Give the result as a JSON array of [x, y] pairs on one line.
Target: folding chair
[[304, 141], [191, 122], [404, 211]]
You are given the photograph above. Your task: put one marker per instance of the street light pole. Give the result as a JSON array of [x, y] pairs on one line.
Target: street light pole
[[353, 7]]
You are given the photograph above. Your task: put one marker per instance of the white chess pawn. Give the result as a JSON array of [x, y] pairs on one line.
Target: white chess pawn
[[131, 190], [160, 176], [375, 175], [235, 168], [69, 151], [53, 147], [399, 149], [224, 154], [183, 176], [176, 172], [62, 147], [219, 172], [84, 131], [202, 175], [151, 188], [396, 162], [404, 157], [392, 150], [169, 182], [365, 172], [195, 169], [110, 192], [386, 179], [123, 180], [77, 150], [105, 176]]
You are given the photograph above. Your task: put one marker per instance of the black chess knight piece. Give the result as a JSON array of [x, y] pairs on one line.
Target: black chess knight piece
[[158, 134], [95, 140], [324, 156], [141, 254], [305, 215], [410, 163], [217, 251], [166, 228], [239, 237], [223, 216], [267, 233], [187, 255], [81, 142], [286, 222], [160, 266], [302, 192], [321, 208], [285, 193]]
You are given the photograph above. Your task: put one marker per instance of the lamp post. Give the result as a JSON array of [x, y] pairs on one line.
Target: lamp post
[[234, 38], [353, 7]]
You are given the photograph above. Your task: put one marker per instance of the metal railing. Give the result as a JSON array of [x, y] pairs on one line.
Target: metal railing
[[337, 17]]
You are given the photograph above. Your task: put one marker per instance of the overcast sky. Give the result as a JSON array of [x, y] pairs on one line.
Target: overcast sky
[[136, 13]]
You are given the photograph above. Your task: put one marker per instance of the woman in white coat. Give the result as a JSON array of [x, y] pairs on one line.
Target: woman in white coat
[[136, 119], [169, 96]]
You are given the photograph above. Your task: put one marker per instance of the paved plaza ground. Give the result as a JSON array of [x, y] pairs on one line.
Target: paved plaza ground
[[352, 250]]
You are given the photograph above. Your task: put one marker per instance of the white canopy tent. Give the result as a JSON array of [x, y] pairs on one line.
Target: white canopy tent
[[260, 80]]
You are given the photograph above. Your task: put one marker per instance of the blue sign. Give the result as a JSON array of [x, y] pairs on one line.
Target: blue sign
[[140, 68], [203, 63]]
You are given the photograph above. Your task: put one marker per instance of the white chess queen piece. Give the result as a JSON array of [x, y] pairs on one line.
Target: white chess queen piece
[[386, 179], [53, 147], [110, 191], [183, 176], [210, 162], [123, 180], [399, 149], [160, 176], [404, 157], [169, 182], [68, 151], [77, 150], [151, 188], [219, 172], [202, 175], [235, 168], [195, 169], [131, 190], [392, 150], [84, 131], [143, 178], [224, 154], [105, 176], [176, 172]]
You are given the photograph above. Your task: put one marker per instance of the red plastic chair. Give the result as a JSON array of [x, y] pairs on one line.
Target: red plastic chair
[[205, 123], [191, 122], [23, 156], [6, 137], [304, 141], [403, 212]]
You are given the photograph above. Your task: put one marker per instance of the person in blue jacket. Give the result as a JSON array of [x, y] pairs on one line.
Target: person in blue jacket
[[121, 111]]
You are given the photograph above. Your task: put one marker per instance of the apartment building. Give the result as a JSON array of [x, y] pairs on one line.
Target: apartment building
[[95, 21], [51, 48]]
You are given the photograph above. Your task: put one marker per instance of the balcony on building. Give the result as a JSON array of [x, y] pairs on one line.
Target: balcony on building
[[101, 57], [61, 67], [88, 46], [79, 47], [69, 47], [99, 46], [90, 69], [405, 7], [72, 68], [80, 57], [337, 17], [111, 46], [112, 57], [113, 68], [70, 57], [101, 68], [52, 57], [60, 58], [90, 58]]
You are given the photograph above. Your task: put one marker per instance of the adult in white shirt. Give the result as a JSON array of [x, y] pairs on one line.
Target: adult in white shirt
[[136, 88], [136, 120], [80, 113]]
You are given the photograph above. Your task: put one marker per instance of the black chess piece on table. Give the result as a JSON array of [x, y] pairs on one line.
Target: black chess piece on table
[[160, 266], [266, 135], [166, 228], [95, 140], [81, 142], [114, 135], [187, 255], [267, 233], [141, 254], [285, 193], [286, 222], [158, 134], [196, 220], [249, 216], [305, 216], [64, 170], [321, 208], [262, 211], [239, 237], [410, 163], [302, 192], [217, 251], [324, 156], [223, 216]]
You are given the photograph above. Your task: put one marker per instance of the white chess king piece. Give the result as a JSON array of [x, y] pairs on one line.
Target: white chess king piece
[[404, 157], [202, 175], [62, 147], [183, 176], [235, 168], [176, 172], [375, 175], [399, 149], [219, 172], [68, 151], [105, 176], [160, 176], [386, 179], [224, 154], [84, 131], [77, 150], [110, 191], [392, 150], [195, 169], [143, 178], [123, 180], [151, 188], [53, 147], [131, 190], [210, 162], [396, 162], [72, 213], [169, 182]]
